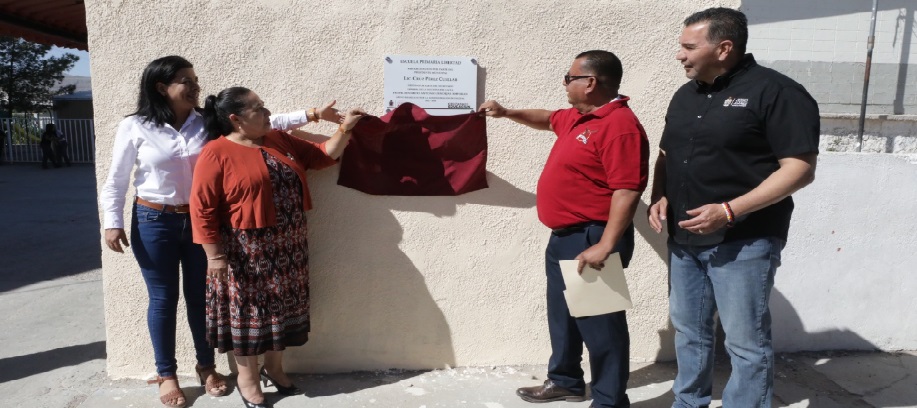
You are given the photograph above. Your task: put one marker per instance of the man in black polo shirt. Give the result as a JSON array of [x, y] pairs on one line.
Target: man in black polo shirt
[[739, 139]]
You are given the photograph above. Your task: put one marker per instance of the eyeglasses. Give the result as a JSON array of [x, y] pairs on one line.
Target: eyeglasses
[[570, 78]]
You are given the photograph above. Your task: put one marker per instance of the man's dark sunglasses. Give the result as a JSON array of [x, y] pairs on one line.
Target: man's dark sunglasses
[[569, 78]]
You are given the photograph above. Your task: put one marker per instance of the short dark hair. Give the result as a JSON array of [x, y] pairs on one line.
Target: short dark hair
[[217, 108], [151, 105], [725, 24], [605, 66]]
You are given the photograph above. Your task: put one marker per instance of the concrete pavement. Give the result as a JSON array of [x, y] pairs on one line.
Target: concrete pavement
[[50, 287], [53, 329]]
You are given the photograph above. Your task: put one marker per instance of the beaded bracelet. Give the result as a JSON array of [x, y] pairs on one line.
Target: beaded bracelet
[[730, 216]]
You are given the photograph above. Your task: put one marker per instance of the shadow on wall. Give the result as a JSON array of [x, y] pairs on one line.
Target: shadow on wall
[[820, 380], [770, 11], [482, 81], [786, 321], [857, 381], [907, 20], [787, 324], [377, 312], [657, 241], [499, 194]]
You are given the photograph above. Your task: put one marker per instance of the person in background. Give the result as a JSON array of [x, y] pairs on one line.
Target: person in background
[[49, 140], [160, 143], [248, 204], [59, 145]]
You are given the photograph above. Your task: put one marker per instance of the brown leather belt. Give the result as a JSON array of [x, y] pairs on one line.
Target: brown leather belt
[[177, 209]]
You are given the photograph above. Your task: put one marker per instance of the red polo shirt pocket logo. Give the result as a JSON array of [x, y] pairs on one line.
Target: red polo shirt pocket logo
[[584, 137]]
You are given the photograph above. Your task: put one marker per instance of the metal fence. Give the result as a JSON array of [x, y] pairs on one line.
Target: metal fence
[[23, 137]]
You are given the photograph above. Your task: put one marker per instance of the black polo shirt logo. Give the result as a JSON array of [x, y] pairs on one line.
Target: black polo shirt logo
[[735, 102]]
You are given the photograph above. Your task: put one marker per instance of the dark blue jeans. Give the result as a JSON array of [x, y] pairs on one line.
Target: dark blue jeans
[[606, 336], [161, 242]]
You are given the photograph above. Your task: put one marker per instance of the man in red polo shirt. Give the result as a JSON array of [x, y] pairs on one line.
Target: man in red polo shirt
[[587, 194]]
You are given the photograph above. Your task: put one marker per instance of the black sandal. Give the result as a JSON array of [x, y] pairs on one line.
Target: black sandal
[[289, 390]]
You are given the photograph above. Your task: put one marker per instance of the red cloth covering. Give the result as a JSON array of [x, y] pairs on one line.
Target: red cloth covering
[[408, 152]]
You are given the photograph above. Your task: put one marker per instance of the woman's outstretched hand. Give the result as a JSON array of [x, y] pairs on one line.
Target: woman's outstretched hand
[[328, 113], [350, 119]]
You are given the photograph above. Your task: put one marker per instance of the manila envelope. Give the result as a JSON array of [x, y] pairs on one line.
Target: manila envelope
[[596, 292]]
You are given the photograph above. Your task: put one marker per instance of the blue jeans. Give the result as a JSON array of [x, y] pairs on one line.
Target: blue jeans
[[161, 242], [606, 336], [735, 279]]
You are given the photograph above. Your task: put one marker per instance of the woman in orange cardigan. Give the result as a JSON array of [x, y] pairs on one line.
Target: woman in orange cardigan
[[248, 201]]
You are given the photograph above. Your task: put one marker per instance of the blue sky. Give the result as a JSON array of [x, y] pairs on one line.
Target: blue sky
[[81, 68]]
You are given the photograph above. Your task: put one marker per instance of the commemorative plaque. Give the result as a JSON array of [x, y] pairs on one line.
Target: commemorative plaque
[[441, 85]]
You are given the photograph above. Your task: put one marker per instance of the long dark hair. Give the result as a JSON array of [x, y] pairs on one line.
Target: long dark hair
[[217, 108], [151, 105]]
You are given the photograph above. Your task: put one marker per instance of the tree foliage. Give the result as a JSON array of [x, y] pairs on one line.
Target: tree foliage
[[28, 78]]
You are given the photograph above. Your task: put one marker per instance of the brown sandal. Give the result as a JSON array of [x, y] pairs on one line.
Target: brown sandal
[[213, 382], [171, 399]]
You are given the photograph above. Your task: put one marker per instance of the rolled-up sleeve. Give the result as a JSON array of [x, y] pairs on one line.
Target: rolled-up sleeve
[[113, 192], [206, 198]]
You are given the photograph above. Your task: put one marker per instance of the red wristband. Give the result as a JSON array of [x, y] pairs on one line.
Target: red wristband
[[730, 216]]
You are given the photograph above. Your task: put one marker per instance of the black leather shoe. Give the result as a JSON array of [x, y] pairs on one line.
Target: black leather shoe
[[549, 392]]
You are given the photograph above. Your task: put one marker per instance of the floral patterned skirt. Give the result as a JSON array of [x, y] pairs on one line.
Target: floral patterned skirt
[[263, 305]]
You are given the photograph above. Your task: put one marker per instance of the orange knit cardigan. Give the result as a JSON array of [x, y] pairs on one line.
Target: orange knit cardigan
[[231, 184]]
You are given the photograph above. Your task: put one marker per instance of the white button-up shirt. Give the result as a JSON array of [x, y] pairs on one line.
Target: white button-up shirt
[[164, 160]]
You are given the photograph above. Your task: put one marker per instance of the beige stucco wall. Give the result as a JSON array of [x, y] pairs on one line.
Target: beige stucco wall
[[407, 282]]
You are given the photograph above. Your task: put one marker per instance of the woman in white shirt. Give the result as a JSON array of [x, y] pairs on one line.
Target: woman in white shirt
[[162, 140]]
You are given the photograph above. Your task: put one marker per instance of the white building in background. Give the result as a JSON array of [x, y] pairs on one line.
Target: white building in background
[[822, 44]]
